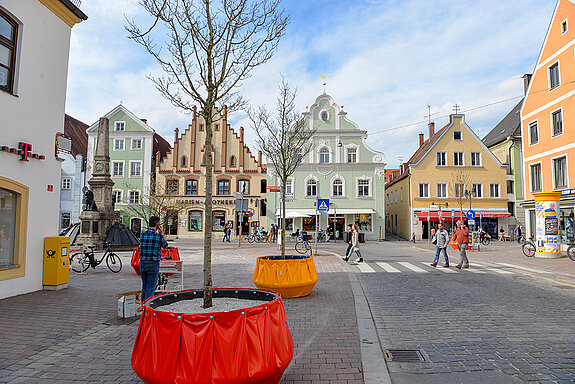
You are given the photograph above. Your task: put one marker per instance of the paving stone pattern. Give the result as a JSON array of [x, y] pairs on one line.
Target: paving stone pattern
[[468, 322], [73, 336]]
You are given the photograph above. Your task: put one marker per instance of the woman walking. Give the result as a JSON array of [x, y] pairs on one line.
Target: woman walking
[[355, 245]]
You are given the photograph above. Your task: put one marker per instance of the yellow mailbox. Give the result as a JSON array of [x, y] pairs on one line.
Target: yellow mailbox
[[56, 262]]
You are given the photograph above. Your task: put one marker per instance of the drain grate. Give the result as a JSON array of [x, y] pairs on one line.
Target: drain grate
[[405, 356]]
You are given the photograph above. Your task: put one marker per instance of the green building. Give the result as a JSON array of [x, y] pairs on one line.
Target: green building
[[133, 145], [340, 167]]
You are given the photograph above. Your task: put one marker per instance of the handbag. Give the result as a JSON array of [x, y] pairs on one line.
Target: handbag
[[453, 242]]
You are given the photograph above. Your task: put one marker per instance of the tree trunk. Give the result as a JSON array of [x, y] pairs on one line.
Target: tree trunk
[[208, 212]]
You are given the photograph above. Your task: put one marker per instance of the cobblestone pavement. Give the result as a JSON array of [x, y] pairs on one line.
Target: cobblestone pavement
[[490, 323], [73, 335]]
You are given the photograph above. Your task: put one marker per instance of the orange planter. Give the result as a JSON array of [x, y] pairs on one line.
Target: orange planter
[[292, 276]]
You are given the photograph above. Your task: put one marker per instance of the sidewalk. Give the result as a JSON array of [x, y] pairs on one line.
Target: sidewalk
[[73, 335]]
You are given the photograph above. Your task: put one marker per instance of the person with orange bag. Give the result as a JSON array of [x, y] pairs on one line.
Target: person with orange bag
[[462, 238]]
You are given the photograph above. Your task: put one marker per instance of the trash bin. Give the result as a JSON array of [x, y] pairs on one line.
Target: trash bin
[[56, 263], [361, 238]]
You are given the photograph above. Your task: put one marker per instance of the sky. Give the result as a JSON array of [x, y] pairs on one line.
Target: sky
[[385, 61]]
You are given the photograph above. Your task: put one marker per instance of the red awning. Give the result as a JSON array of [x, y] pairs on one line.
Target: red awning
[[446, 215]]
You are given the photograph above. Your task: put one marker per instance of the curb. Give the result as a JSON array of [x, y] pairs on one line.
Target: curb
[[372, 360]]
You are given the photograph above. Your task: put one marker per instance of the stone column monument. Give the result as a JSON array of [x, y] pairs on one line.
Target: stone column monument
[[98, 214]]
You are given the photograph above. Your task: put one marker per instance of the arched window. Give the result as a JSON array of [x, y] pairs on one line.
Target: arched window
[[8, 39], [183, 161], [232, 162], [324, 155], [337, 188], [311, 188]]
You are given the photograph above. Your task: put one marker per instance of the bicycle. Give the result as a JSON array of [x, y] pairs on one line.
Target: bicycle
[[485, 239], [81, 261], [571, 252], [528, 247], [303, 246], [321, 236]]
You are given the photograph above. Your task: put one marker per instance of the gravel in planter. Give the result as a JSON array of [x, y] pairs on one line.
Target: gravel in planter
[[220, 304]]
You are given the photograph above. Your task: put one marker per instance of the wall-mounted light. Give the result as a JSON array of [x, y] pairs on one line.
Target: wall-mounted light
[[339, 144]]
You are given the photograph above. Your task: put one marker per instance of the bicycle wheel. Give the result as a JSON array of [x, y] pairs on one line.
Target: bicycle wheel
[[528, 249], [79, 262], [571, 252], [300, 247], [486, 241], [114, 262]]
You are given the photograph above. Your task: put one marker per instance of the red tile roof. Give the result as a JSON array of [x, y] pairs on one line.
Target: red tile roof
[[76, 129]]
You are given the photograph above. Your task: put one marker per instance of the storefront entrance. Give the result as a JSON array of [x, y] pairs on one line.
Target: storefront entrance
[[242, 222], [339, 226], [171, 223]]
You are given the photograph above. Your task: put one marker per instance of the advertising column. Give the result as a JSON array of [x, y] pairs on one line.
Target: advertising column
[[547, 225]]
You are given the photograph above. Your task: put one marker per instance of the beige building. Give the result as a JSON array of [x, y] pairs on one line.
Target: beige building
[[450, 172], [180, 179]]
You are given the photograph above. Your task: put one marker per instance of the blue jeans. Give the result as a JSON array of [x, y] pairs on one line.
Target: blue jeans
[[149, 272], [438, 252]]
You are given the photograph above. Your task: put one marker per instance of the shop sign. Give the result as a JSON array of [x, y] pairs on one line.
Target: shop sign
[[273, 188], [568, 192], [199, 202], [24, 150]]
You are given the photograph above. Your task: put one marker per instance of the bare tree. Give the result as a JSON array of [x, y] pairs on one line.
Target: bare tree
[[461, 183], [206, 49], [283, 139]]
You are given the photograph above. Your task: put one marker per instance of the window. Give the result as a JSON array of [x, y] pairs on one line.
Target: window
[[510, 186], [352, 155], [477, 189], [134, 197], [475, 159], [118, 144], [441, 159], [441, 189], [191, 187], [324, 155], [289, 187], [117, 196], [195, 221], [120, 126], [494, 190], [118, 168], [459, 189], [363, 221], [423, 189], [66, 183], [458, 159], [183, 162], [298, 157], [263, 185], [324, 115], [363, 188], [219, 221], [311, 188], [457, 135], [201, 127], [135, 169], [533, 133], [8, 39], [232, 162], [64, 220], [337, 188], [401, 194], [172, 187], [395, 194], [554, 81], [387, 198], [244, 186], [564, 26], [136, 143], [560, 172], [535, 171], [223, 187], [557, 121]]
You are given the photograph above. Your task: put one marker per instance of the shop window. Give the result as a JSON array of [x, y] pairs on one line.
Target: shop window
[[363, 221], [566, 229], [308, 224], [191, 187], [13, 215], [8, 40], [195, 221], [219, 221]]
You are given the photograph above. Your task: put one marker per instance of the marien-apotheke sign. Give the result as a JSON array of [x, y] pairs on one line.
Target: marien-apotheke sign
[[24, 150]]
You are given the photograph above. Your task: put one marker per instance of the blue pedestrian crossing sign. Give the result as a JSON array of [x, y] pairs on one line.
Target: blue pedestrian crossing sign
[[470, 214], [323, 205], [453, 213]]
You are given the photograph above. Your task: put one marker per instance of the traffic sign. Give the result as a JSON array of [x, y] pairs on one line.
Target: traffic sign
[[323, 205], [470, 214], [471, 222], [453, 213], [251, 214], [440, 213]]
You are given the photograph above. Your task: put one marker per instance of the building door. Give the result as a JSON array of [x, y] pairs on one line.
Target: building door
[[136, 226], [339, 226], [171, 223], [425, 229], [242, 223]]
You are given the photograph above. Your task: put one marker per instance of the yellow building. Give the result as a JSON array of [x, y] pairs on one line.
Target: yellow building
[[180, 180], [450, 171]]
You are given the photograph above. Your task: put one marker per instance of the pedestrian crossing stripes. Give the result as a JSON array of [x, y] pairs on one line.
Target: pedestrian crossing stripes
[[387, 267], [425, 267], [363, 267], [412, 267], [442, 269]]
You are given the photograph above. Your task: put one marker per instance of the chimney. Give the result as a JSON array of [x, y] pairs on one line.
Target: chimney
[[421, 139], [145, 121], [526, 81], [431, 129]]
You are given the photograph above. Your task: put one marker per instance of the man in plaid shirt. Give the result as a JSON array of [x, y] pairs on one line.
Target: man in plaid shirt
[[151, 243]]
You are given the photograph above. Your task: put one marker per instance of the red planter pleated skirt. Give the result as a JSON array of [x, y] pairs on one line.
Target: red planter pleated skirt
[[170, 253]]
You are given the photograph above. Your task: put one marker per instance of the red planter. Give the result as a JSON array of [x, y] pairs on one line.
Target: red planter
[[170, 253], [251, 345]]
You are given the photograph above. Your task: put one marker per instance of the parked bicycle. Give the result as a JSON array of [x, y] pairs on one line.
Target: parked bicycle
[[571, 252], [81, 261], [321, 236], [528, 247], [303, 244]]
